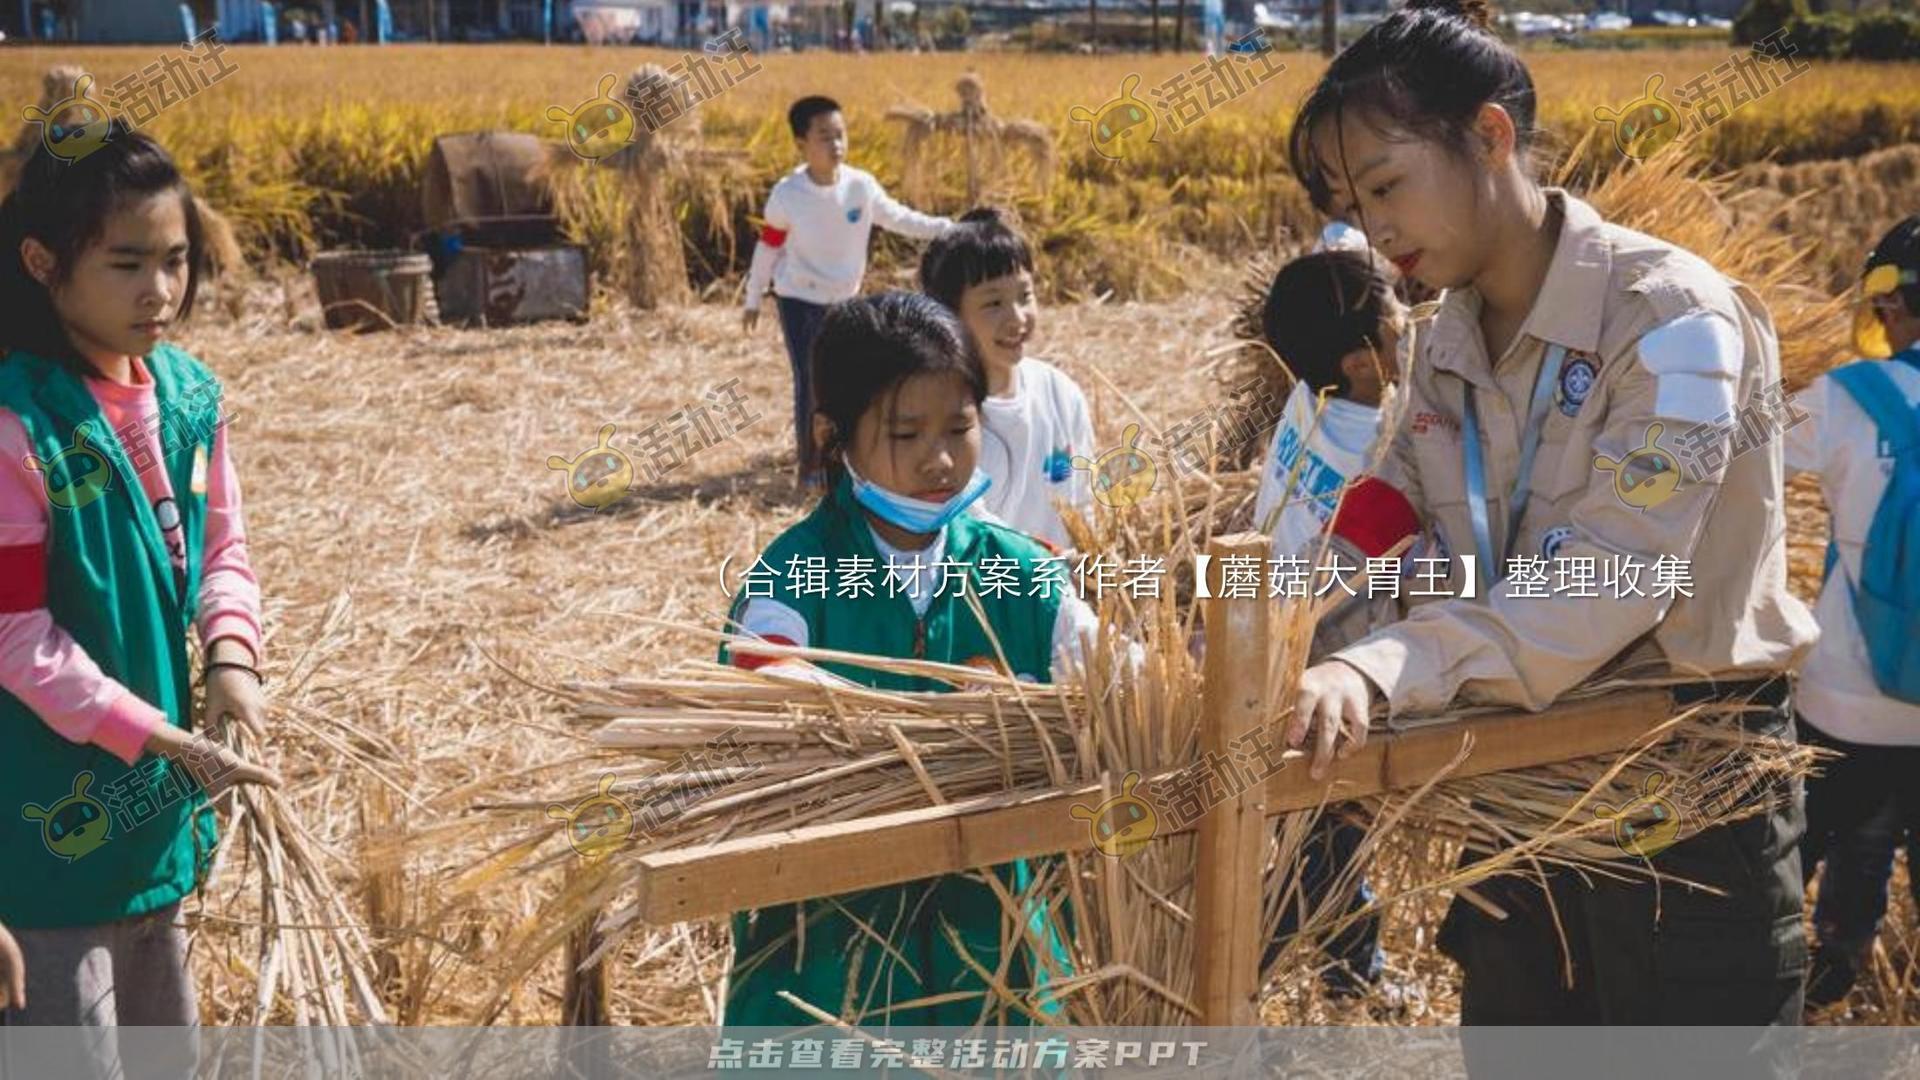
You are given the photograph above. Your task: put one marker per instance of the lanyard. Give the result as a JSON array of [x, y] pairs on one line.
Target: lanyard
[[1477, 465]]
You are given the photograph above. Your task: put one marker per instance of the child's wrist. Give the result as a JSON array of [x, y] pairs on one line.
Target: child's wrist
[[230, 650]]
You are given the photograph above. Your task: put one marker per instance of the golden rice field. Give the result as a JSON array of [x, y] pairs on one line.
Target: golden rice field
[[307, 148]]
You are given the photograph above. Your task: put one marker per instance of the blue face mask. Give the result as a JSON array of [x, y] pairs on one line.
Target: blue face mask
[[916, 515]]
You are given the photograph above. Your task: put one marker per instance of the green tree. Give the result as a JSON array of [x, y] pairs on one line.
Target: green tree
[[1763, 17]]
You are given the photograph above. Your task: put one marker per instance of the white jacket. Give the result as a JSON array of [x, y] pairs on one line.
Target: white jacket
[[1028, 441], [1839, 441], [813, 246]]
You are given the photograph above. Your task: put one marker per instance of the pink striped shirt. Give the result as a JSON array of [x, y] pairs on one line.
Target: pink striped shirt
[[39, 662]]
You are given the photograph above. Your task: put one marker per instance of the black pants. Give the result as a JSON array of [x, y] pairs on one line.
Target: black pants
[[1650, 953], [1861, 807]]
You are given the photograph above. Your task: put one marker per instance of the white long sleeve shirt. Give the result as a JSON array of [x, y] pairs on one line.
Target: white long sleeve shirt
[[1027, 444], [813, 245], [1839, 441]]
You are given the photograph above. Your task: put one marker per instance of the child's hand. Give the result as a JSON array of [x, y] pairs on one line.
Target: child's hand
[[215, 767], [13, 973], [233, 694], [1333, 700], [749, 319]]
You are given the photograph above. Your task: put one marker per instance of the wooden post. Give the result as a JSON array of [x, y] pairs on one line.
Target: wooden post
[[586, 994], [1226, 889]]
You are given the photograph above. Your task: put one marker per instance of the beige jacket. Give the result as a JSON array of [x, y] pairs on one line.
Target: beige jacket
[[1658, 341]]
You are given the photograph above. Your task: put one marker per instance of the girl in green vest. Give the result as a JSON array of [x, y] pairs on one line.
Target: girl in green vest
[[877, 568], [120, 533]]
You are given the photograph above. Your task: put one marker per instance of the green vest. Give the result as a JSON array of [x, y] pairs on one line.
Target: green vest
[[840, 967], [85, 839]]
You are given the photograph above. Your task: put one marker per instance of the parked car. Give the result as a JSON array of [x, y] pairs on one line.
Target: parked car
[[1665, 18], [1608, 20], [1531, 24]]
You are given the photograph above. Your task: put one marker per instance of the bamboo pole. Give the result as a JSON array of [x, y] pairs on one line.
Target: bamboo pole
[[1226, 916]]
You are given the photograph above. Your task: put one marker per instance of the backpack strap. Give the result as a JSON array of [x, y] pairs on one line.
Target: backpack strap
[[1868, 383]]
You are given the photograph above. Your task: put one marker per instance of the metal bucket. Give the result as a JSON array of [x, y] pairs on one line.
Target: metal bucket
[[374, 290]]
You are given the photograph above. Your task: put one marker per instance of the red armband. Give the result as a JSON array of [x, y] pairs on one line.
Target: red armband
[[1375, 516], [755, 661], [23, 577], [771, 236]]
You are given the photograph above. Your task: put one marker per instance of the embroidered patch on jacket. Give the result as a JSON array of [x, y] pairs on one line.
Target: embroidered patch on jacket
[[1577, 377], [1556, 536]]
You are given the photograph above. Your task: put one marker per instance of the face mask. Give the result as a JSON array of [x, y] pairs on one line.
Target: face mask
[[916, 515]]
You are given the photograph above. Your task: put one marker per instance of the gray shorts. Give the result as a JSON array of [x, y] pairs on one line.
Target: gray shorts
[[130, 973]]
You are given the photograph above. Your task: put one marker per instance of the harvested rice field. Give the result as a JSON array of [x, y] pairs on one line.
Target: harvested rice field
[[447, 628]]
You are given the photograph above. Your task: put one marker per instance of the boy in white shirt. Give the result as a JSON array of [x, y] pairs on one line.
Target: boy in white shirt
[[1862, 803], [1035, 417], [813, 246]]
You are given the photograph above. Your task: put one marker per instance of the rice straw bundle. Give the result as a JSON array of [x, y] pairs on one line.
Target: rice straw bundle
[[838, 760], [315, 966]]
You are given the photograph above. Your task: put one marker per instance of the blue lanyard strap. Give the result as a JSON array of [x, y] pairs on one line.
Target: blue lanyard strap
[[1476, 464]]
